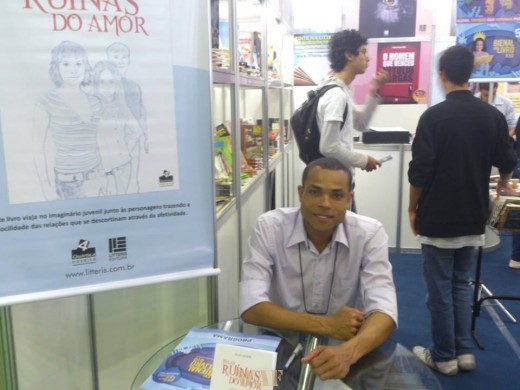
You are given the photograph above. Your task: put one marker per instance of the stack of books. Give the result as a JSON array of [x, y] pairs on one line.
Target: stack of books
[[505, 213]]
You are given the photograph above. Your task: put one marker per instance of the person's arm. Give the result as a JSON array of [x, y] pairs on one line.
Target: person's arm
[[380, 303], [341, 326], [415, 194], [362, 118], [334, 362], [503, 184], [331, 146], [509, 113]]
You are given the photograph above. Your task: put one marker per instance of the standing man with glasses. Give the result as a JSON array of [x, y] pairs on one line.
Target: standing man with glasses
[[322, 270]]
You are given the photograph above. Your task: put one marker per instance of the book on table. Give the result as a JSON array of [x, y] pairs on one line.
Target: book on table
[[190, 364], [236, 368]]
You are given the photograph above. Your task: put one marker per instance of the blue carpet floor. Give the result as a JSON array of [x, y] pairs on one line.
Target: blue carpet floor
[[498, 365]]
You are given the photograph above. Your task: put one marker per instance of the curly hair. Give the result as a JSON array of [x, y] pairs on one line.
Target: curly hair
[[342, 42]]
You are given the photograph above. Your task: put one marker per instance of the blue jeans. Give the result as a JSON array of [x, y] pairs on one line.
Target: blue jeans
[[447, 273]]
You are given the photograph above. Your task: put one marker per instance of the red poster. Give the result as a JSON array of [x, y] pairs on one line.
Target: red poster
[[401, 61]]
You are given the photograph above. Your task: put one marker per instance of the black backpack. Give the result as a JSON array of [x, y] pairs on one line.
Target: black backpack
[[305, 126]]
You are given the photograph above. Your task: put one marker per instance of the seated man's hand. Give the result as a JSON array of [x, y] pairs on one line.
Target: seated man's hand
[[329, 362], [345, 323]]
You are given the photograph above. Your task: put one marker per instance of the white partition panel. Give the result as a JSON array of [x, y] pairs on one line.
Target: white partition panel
[[228, 244], [377, 193], [52, 345], [253, 205], [132, 324]]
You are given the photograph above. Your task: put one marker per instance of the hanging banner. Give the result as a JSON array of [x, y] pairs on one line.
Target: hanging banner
[[385, 19], [105, 141], [496, 48], [491, 30], [408, 65], [311, 63], [478, 11], [402, 62]]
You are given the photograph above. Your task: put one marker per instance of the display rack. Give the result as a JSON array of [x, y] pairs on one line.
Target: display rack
[[251, 103]]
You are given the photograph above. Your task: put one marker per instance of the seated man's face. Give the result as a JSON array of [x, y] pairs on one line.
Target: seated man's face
[[324, 198]]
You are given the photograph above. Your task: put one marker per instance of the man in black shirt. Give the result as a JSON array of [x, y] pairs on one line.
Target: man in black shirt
[[456, 144]]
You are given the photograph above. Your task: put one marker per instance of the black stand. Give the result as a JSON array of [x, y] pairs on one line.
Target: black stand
[[478, 299]]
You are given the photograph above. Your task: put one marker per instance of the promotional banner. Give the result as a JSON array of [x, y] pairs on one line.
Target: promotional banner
[[105, 134], [402, 62], [408, 65], [496, 48], [311, 62], [383, 18], [491, 30]]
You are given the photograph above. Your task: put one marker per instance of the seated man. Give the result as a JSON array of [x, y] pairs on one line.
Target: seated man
[[321, 269]]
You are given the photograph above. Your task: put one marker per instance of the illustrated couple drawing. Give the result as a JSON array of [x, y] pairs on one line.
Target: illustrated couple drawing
[[89, 130]]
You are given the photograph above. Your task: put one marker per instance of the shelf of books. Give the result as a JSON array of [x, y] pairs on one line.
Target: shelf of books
[[251, 99]]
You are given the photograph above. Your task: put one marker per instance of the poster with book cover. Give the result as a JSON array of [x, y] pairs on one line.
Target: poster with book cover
[[408, 65], [105, 154], [382, 19], [496, 47], [311, 63], [491, 30], [475, 11], [402, 62], [190, 364]]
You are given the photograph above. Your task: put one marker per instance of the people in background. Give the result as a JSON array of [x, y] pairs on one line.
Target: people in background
[[321, 269], [66, 153], [503, 104], [456, 143], [348, 58]]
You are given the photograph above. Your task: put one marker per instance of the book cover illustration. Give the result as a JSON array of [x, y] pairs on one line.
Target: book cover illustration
[[190, 364], [310, 58], [401, 61], [471, 11], [244, 368], [387, 18], [495, 46]]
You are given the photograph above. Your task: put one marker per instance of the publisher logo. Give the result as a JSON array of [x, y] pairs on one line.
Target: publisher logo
[[117, 248], [166, 179], [83, 254]]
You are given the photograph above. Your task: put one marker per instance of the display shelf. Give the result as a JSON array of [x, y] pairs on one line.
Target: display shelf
[[256, 96], [223, 76], [251, 183], [250, 81]]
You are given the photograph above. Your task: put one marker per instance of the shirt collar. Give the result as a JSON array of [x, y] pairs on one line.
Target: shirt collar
[[298, 234]]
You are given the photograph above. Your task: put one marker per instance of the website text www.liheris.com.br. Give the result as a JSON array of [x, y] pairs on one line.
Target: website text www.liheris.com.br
[[100, 270]]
